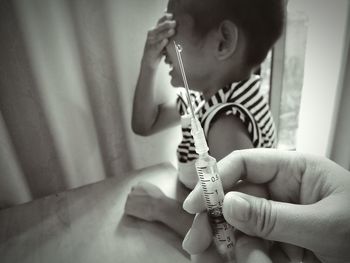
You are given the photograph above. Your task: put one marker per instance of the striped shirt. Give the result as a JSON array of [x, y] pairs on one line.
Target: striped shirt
[[241, 99]]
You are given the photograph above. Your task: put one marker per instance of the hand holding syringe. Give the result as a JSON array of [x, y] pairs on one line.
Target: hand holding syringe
[[209, 179]]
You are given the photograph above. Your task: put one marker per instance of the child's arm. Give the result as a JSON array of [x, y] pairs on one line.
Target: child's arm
[[227, 134], [148, 115]]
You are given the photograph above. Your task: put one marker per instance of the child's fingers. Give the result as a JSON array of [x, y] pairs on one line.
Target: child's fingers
[[164, 35], [166, 16], [155, 36], [164, 26], [163, 43]]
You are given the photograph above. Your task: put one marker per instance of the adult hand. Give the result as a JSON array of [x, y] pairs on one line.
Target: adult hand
[[157, 39], [247, 249], [309, 202]]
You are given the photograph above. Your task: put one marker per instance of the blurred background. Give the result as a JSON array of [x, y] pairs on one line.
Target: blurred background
[[68, 70]]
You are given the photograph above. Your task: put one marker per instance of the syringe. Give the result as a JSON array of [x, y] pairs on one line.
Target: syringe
[[207, 172]]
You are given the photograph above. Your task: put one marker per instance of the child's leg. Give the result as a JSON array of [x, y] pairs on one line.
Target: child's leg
[[146, 201]]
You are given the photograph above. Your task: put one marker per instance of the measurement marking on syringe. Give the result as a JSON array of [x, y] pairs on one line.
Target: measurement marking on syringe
[[208, 174]]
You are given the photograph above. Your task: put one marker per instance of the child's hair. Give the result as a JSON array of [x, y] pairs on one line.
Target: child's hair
[[260, 20]]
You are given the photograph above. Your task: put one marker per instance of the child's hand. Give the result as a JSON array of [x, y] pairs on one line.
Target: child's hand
[[157, 39], [144, 201]]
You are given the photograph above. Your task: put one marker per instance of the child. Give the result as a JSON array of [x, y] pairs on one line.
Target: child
[[223, 43]]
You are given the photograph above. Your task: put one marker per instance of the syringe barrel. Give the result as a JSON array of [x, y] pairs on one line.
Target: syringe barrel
[[197, 132], [213, 194]]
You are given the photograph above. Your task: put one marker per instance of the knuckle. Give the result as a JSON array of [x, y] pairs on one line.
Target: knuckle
[[170, 32], [168, 23], [265, 218], [163, 18]]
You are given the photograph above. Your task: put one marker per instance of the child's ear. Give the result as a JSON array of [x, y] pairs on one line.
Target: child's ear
[[227, 40]]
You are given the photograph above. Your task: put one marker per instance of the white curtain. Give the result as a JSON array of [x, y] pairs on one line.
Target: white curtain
[[67, 74]]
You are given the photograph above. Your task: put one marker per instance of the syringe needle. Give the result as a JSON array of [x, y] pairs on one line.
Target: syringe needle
[[178, 49], [210, 180]]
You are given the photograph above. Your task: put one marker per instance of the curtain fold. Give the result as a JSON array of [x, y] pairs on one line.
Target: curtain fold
[[61, 122], [23, 113]]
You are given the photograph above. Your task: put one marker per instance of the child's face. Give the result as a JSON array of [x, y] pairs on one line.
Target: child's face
[[195, 54]]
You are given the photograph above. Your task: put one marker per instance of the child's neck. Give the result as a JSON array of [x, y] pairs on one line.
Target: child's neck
[[208, 93], [215, 85]]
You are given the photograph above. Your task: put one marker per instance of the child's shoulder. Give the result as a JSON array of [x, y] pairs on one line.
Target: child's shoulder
[[226, 134], [244, 112]]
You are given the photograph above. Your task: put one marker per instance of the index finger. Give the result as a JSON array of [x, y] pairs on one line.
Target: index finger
[[257, 166]]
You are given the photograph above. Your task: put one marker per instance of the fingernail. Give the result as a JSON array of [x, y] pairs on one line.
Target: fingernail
[[185, 243], [239, 207], [187, 205], [188, 244]]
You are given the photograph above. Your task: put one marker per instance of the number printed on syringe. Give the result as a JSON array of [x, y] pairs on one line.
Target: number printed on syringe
[[211, 186], [214, 195]]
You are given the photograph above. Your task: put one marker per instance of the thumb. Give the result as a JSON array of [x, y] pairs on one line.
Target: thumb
[[284, 222]]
